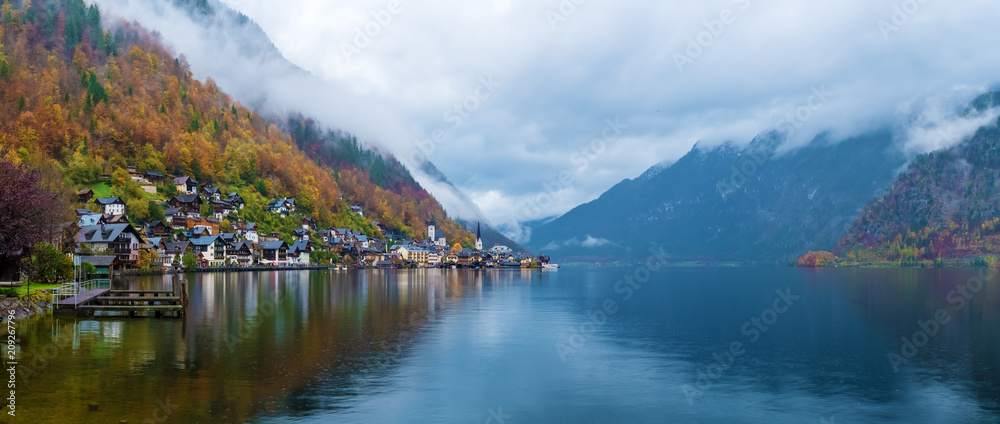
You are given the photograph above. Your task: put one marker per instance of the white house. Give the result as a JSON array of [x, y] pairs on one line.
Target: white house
[[112, 205], [248, 231], [299, 253], [206, 247]]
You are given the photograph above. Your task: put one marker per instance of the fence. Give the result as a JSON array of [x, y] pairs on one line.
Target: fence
[[69, 290]]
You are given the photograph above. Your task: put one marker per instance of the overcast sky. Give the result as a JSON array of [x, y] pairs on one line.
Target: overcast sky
[[518, 90]]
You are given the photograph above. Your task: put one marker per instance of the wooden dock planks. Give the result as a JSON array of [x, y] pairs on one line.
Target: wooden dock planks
[[80, 299], [130, 302]]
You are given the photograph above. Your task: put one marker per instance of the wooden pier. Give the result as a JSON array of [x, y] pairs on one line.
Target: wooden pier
[[133, 303]]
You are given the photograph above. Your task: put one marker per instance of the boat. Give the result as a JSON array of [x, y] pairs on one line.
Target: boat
[[550, 267]]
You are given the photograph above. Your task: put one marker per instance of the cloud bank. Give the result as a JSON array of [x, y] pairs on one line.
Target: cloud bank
[[673, 73]]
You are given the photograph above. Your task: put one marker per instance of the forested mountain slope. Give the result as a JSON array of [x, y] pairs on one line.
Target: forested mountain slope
[[91, 100]]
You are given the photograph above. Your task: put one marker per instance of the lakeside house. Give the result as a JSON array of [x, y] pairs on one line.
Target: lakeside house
[[104, 265], [120, 240], [274, 253]]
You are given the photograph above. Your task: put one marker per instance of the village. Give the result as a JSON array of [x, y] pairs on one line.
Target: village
[[187, 240]]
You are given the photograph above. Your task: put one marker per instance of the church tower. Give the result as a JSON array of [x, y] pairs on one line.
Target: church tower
[[430, 231], [479, 238]]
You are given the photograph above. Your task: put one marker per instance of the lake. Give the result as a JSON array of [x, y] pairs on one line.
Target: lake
[[611, 345]]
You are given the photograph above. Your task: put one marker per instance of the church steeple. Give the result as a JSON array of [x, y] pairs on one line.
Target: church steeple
[[479, 237]]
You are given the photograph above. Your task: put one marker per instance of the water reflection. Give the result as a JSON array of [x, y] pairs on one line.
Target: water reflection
[[467, 346]]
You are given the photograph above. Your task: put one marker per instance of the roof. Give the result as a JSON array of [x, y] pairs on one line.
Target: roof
[[273, 245], [187, 198], [300, 246], [184, 180], [198, 220], [102, 233], [241, 244], [88, 220], [109, 200], [116, 219], [99, 260], [85, 191], [154, 174], [204, 241], [155, 224], [176, 247], [171, 211]]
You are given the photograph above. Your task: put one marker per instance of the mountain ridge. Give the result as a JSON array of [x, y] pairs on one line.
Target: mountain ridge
[[728, 203]]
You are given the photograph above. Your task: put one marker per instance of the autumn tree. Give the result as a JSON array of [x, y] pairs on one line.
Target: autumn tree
[[28, 214]]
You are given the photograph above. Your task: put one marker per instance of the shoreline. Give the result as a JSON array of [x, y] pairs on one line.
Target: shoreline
[[24, 309]]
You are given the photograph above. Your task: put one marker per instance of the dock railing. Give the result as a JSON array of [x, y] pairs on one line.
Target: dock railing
[[69, 290]]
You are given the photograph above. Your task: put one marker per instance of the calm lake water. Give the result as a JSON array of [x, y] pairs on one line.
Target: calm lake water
[[742, 345]]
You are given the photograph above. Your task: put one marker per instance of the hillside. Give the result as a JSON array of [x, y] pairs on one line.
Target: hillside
[[945, 206], [91, 100], [730, 203]]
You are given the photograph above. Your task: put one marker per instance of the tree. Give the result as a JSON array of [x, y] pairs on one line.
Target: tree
[[46, 265], [28, 214], [817, 259], [138, 210], [207, 209], [82, 169], [189, 261], [155, 211]]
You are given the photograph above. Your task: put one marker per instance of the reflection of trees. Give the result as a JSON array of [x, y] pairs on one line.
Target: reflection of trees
[[875, 308], [344, 329]]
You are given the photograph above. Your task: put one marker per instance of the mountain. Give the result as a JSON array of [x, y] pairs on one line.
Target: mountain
[[728, 203], [236, 52], [91, 100], [944, 206]]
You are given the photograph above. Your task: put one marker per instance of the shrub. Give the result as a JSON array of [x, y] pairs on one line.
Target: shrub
[[817, 259]]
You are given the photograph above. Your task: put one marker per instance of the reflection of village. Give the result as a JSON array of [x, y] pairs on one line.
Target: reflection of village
[[244, 320], [109, 241]]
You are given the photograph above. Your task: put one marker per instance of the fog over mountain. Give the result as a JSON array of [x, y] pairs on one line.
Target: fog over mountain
[[551, 75], [226, 46]]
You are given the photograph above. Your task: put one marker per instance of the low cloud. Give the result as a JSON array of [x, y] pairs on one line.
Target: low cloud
[[588, 241], [562, 81], [940, 123]]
